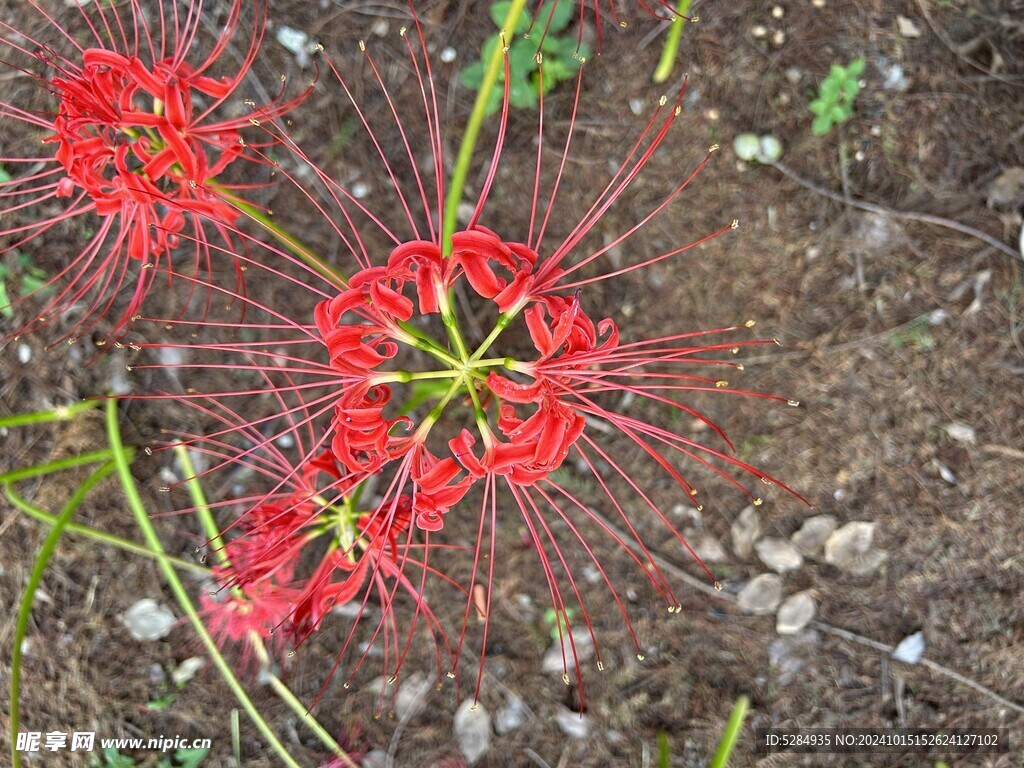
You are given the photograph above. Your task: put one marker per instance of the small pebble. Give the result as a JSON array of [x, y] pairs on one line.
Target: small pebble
[[24, 353], [448, 54]]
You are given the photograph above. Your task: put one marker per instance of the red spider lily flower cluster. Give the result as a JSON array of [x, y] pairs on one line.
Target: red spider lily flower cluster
[[490, 446], [132, 118], [308, 548]]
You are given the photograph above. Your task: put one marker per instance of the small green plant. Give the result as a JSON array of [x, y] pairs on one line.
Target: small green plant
[[558, 622], [32, 278], [834, 104], [561, 54], [183, 758]]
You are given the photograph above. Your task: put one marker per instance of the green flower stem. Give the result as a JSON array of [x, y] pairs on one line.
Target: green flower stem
[[668, 54], [476, 118], [479, 414], [424, 343], [284, 237], [285, 694], [435, 412], [60, 413], [504, 320], [731, 734], [97, 535], [70, 462], [202, 509], [491, 362], [131, 493], [27, 598]]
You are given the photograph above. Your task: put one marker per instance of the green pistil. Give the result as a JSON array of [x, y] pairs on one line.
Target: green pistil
[[504, 320], [479, 415], [451, 325]]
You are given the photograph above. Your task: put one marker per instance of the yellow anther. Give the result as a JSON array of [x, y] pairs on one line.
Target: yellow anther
[[254, 121], [402, 31], [600, 666], [721, 384], [362, 45], [565, 678], [662, 101], [718, 586], [758, 501], [639, 657], [739, 367], [750, 323], [735, 224], [713, 148], [794, 403]]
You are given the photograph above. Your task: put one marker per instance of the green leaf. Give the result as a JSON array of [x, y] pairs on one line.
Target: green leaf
[[821, 125], [4, 175], [472, 75], [5, 301], [559, 14], [190, 758], [499, 12], [158, 705], [855, 68]]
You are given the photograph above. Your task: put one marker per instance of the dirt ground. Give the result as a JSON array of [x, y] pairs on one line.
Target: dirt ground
[[893, 328]]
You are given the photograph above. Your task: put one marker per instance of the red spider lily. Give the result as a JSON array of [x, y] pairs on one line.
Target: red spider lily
[[311, 513], [131, 117], [352, 364]]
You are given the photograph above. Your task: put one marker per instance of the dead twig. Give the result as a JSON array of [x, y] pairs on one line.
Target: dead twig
[[925, 218]]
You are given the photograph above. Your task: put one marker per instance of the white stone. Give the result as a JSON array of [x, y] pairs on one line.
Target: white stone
[[573, 724], [745, 531], [555, 661], [779, 555], [962, 433], [511, 716], [147, 620], [813, 534], [472, 728], [746, 146], [851, 549], [187, 670], [795, 613], [761, 596], [911, 649]]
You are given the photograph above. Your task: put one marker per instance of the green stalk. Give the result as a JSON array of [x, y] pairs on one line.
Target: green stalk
[[285, 694], [60, 413], [101, 536], [131, 493], [290, 242], [202, 509], [476, 118], [668, 54], [55, 466], [34, 580], [731, 734]]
